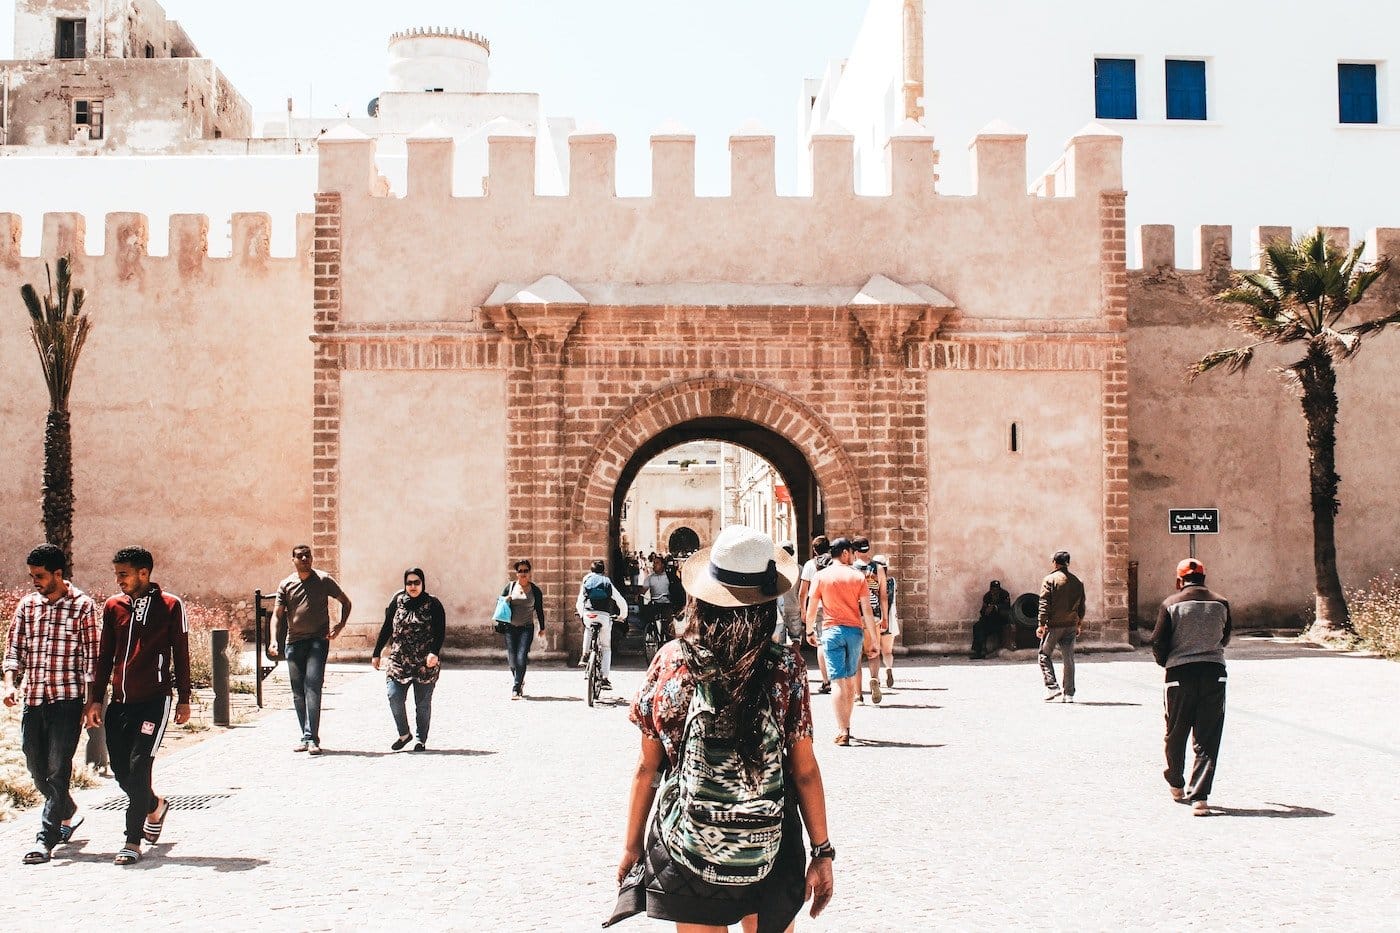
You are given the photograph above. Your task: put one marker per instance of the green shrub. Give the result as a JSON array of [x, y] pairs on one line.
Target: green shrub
[[1375, 611]]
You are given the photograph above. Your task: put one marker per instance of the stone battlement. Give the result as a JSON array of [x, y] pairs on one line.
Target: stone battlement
[[1092, 163], [1156, 246], [438, 32], [128, 235]]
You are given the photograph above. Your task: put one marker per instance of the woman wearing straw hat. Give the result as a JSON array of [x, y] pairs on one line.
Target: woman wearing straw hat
[[726, 717]]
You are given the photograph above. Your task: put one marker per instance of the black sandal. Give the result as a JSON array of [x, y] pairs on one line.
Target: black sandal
[[37, 855], [127, 857], [65, 833], [155, 823]]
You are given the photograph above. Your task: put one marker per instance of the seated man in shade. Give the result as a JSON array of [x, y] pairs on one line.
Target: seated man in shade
[[991, 620]]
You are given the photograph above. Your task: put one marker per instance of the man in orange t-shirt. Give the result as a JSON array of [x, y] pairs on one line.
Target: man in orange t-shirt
[[848, 632]]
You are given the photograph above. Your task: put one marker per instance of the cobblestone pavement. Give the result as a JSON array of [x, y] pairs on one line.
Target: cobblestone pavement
[[969, 804]]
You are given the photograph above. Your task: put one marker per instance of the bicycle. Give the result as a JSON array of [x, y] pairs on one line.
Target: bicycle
[[593, 660], [654, 636]]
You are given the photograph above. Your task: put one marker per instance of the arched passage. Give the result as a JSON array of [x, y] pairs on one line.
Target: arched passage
[[778, 427], [684, 540], [790, 463]]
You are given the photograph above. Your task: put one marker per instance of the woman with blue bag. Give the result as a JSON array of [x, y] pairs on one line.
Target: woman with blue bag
[[519, 608]]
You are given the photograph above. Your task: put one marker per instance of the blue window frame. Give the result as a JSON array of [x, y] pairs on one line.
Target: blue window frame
[[1356, 93], [1115, 89], [1186, 90]]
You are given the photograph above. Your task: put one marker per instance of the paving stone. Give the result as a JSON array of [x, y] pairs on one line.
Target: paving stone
[[968, 804]]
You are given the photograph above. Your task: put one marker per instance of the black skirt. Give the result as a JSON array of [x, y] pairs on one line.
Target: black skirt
[[677, 894]]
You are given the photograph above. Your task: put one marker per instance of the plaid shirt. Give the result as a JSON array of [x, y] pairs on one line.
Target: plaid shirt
[[53, 646]]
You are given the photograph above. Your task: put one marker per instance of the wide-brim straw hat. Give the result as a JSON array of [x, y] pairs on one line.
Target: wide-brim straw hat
[[742, 568]]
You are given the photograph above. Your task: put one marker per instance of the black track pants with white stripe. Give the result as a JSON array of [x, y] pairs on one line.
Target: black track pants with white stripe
[[134, 731], [1195, 709]]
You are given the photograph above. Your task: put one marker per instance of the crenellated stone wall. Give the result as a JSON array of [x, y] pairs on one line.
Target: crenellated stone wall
[[190, 423], [457, 382], [1237, 443]]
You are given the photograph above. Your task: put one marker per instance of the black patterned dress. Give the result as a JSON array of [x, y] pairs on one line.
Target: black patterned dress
[[417, 630]]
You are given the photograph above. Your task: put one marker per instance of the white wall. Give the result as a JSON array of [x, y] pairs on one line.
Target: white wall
[[1271, 153]]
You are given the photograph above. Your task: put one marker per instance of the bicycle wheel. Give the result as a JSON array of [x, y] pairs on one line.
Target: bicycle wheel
[[652, 642], [592, 678]]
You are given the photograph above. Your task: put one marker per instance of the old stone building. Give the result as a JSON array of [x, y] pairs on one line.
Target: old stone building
[[112, 75]]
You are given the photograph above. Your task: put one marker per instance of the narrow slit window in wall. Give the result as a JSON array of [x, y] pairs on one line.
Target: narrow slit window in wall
[[1016, 439]]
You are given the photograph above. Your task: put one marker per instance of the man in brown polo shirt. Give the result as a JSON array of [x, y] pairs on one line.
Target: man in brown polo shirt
[[304, 635]]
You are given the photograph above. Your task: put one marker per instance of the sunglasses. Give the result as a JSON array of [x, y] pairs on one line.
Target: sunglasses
[[413, 583], [518, 570]]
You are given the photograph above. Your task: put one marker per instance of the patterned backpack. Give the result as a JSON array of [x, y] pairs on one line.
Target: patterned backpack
[[715, 819]]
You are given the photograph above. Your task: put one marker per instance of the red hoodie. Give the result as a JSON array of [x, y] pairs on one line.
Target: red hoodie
[[142, 640]]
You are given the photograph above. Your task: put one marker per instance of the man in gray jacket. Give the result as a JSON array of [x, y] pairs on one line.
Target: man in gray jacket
[[1060, 619], [1193, 628]]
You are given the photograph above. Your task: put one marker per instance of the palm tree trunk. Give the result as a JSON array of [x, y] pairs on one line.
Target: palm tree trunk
[[1319, 398], [58, 481]]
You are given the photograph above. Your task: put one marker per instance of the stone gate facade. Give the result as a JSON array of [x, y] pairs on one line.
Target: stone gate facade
[[549, 339]]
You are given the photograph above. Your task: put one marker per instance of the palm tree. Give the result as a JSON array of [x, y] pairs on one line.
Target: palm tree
[[59, 332], [1300, 294]]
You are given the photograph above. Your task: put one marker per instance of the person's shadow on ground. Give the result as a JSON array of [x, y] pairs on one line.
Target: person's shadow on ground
[[158, 855], [1282, 811], [364, 753], [885, 743], [537, 699]]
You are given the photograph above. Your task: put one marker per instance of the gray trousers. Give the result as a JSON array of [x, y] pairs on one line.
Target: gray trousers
[[1064, 638]]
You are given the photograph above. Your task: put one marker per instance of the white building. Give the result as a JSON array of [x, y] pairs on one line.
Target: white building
[[1245, 113], [756, 495], [674, 503], [437, 84]]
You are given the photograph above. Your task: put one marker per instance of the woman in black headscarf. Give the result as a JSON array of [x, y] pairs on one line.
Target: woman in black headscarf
[[414, 627]]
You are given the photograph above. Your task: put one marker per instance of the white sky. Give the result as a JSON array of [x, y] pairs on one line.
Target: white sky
[[629, 65]]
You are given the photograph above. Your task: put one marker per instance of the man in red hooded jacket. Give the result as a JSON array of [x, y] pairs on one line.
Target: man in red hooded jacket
[[144, 652]]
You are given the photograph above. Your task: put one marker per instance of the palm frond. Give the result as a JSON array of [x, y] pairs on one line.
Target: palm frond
[[59, 329], [1366, 328], [32, 302], [1234, 360]]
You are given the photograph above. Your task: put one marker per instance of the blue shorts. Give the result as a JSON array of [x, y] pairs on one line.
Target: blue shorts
[[843, 647]]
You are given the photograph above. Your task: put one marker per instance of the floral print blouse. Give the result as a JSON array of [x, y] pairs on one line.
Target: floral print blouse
[[661, 705]]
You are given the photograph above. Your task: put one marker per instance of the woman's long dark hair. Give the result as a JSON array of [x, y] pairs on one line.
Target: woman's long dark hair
[[739, 638]]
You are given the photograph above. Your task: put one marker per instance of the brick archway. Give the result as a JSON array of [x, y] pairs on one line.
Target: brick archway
[[696, 399]]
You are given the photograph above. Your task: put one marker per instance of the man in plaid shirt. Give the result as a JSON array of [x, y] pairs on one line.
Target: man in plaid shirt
[[52, 646]]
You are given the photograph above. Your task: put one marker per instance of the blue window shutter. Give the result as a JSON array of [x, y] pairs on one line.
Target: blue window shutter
[[1356, 92], [1115, 89], [1186, 90]]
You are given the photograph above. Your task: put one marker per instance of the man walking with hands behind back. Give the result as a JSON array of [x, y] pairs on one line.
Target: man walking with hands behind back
[[1060, 620], [144, 651], [1193, 628], [304, 636]]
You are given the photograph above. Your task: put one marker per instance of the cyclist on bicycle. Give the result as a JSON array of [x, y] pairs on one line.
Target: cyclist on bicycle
[[664, 597], [597, 600]]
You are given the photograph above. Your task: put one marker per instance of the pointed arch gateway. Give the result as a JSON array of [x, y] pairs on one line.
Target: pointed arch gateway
[[707, 404]]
